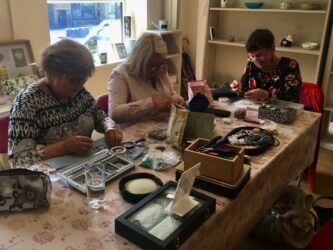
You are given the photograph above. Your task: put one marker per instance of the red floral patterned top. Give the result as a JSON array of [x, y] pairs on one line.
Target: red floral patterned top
[[285, 81]]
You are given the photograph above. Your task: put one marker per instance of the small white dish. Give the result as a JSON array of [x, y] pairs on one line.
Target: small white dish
[[310, 6], [310, 45]]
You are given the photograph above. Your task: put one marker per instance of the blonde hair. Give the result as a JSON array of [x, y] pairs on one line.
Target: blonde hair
[[146, 45]]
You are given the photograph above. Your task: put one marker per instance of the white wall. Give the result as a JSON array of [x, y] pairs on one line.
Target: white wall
[[6, 28], [188, 18]]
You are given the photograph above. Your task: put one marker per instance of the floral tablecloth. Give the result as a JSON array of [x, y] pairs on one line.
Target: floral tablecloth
[[70, 224]]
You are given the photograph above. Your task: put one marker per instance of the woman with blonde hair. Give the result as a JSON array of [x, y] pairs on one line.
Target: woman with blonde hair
[[140, 88]]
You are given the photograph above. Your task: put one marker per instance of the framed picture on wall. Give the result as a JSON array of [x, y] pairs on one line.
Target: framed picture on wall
[[127, 27], [121, 50], [17, 57]]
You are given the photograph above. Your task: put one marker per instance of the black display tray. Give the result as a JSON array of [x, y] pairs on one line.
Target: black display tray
[[141, 229], [217, 187]]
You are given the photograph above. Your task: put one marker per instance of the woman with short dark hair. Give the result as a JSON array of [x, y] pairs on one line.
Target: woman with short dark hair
[[266, 74], [56, 115]]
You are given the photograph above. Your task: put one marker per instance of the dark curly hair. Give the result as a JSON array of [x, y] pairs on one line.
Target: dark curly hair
[[260, 39]]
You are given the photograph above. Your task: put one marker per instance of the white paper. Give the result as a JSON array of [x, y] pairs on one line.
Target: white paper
[[183, 202]]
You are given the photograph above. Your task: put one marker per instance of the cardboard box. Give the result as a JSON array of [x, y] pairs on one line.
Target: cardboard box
[[217, 168], [218, 187]]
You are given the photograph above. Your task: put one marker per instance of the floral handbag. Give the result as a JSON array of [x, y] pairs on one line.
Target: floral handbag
[[22, 189]]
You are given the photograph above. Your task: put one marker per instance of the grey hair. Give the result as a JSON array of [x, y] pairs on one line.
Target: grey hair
[[67, 57], [146, 45]]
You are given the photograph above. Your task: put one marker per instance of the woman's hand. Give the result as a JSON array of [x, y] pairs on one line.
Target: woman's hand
[[179, 101], [236, 86], [113, 136], [77, 144], [162, 103], [257, 95]]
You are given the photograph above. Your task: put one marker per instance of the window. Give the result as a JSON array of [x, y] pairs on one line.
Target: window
[[96, 24]]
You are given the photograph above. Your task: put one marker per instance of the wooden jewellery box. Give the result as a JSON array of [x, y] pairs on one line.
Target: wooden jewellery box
[[213, 167]]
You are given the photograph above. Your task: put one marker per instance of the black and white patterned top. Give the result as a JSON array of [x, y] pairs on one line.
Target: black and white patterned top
[[38, 119]]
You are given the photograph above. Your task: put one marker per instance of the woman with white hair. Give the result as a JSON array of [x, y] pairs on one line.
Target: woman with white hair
[[140, 88], [57, 115]]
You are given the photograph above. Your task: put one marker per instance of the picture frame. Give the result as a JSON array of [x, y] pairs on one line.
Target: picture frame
[[121, 50], [127, 27], [17, 57], [103, 58], [212, 32]]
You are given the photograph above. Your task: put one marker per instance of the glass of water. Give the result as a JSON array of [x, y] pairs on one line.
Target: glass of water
[[95, 182]]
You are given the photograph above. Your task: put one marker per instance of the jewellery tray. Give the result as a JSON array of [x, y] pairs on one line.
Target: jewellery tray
[[114, 166], [217, 187], [280, 111], [213, 167], [127, 224]]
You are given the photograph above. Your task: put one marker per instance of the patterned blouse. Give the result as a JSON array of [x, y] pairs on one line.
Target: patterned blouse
[[38, 119], [285, 81]]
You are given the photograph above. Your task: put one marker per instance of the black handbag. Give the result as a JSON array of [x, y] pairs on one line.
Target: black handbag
[[325, 213], [22, 189]]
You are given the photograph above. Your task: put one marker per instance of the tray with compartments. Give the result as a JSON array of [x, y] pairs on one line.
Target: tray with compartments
[[114, 166]]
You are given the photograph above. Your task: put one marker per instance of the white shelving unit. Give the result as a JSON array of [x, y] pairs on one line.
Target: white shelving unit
[[173, 39], [222, 60]]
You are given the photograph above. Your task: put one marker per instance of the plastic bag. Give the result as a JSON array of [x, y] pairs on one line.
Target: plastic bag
[[160, 157], [176, 126]]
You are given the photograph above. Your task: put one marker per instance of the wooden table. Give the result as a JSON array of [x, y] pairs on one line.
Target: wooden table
[[70, 224]]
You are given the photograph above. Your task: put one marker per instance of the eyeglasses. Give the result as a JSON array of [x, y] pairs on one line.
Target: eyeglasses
[[258, 57], [157, 68], [74, 80]]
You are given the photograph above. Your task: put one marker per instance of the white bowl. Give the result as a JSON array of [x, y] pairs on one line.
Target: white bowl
[[310, 6], [310, 45]]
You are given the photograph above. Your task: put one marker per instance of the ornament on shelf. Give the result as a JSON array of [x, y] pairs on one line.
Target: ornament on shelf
[[287, 41], [224, 3]]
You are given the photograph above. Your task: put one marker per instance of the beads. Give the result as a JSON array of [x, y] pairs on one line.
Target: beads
[[240, 113]]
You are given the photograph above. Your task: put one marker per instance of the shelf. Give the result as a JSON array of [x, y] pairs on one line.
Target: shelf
[[293, 11], [328, 107], [164, 32], [295, 49], [327, 142], [173, 55]]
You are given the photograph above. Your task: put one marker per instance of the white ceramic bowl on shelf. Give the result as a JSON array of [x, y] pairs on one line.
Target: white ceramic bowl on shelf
[[310, 5], [310, 45]]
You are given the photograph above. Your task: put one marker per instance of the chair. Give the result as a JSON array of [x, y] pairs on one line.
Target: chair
[[312, 97], [103, 102], [4, 122], [323, 239]]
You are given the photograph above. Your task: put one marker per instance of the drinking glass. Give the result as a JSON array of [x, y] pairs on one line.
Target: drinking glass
[[95, 182]]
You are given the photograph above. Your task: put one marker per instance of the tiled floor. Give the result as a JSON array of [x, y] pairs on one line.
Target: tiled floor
[[324, 186]]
